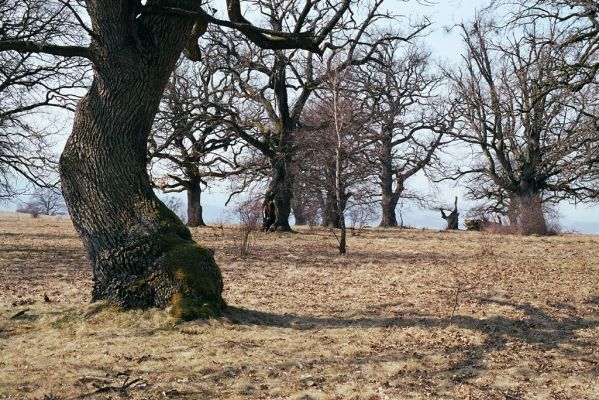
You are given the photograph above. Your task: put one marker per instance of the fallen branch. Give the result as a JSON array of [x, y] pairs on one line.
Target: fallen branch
[[17, 315], [114, 389]]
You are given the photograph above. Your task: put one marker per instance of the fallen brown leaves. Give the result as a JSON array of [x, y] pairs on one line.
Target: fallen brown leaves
[[387, 321]]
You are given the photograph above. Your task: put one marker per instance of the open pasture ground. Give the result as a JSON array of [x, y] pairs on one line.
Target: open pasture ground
[[305, 323]]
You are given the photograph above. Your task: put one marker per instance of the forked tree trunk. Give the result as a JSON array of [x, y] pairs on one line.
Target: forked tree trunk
[[142, 255], [194, 205], [278, 198]]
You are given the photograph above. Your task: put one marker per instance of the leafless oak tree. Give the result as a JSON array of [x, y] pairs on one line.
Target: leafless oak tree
[[402, 94], [189, 145], [533, 139], [273, 88], [142, 255]]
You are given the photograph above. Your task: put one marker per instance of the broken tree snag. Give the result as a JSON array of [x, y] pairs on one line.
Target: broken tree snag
[[453, 217], [268, 214]]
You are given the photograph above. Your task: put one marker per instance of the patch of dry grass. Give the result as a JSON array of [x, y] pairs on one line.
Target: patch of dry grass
[[305, 323]]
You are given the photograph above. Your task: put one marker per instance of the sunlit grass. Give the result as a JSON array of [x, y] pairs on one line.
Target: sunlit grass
[[305, 323]]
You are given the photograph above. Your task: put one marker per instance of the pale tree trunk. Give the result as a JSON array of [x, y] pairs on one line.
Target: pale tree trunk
[[194, 204], [142, 255], [340, 194], [330, 211]]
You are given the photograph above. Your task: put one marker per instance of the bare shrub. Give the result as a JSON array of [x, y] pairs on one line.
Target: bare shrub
[[30, 208], [360, 216], [249, 213], [44, 201], [478, 219]]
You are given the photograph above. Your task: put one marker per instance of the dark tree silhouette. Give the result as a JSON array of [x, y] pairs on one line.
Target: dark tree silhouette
[[141, 254]]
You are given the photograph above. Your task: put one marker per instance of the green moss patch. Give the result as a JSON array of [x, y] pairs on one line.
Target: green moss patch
[[200, 280]]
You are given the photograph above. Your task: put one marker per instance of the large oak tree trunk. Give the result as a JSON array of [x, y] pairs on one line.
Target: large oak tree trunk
[[142, 255], [388, 206], [299, 210], [389, 199], [194, 205], [278, 198], [330, 214], [532, 216]]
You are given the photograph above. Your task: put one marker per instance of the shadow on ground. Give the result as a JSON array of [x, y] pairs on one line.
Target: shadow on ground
[[537, 328]]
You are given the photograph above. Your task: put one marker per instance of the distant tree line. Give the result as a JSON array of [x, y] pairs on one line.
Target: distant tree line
[[519, 114], [324, 107]]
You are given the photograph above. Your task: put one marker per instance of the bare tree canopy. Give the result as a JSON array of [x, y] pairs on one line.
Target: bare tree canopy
[[270, 89], [190, 145], [534, 138], [402, 93], [142, 255], [31, 84], [575, 26]]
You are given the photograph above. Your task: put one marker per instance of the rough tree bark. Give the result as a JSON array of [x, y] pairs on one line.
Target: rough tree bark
[[532, 217], [388, 205], [389, 199], [330, 213], [280, 189], [453, 217], [279, 192], [194, 204], [142, 255]]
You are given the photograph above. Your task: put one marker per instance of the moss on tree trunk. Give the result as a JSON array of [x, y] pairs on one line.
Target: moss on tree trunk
[[142, 255]]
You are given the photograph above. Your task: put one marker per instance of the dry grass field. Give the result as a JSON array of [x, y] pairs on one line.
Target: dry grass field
[[305, 323]]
